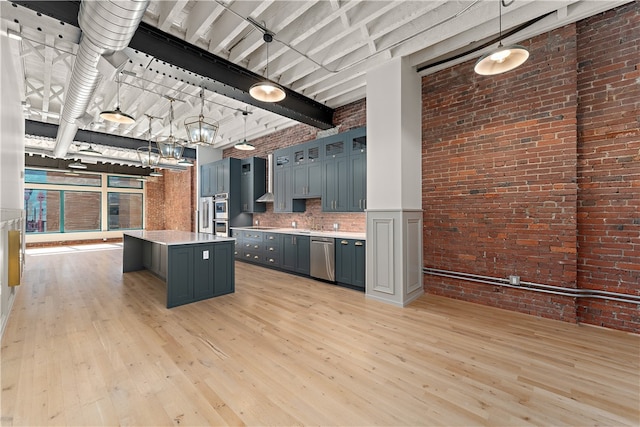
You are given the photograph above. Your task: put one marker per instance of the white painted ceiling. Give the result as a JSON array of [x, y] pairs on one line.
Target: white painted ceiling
[[321, 49]]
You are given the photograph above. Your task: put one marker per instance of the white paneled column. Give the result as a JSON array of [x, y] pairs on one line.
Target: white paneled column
[[394, 183]]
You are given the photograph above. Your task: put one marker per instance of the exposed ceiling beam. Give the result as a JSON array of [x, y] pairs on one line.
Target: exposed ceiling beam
[[191, 64], [49, 130]]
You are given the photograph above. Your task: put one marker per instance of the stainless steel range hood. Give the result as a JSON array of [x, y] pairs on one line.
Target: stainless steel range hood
[[268, 196]]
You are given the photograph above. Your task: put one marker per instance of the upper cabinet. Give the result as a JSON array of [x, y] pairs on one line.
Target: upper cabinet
[[333, 168], [252, 184]]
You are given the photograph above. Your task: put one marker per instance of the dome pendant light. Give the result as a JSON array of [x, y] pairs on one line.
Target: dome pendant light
[[117, 116], [266, 90], [244, 145], [502, 59]]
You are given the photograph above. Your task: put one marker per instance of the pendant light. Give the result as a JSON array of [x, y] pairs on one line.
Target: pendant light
[[170, 148], [201, 131], [77, 165], [117, 116], [149, 156], [156, 172], [244, 145], [90, 151], [502, 59], [266, 90]]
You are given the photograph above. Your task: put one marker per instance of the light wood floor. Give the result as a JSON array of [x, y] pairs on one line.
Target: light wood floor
[[86, 345]]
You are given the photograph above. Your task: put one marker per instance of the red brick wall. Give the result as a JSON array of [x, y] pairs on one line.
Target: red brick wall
[[345, 118], [503, 163], [609, 164], [170, 201]]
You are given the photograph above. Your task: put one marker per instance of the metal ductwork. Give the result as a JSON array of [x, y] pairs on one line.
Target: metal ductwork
[[268, 197], [107, 26]]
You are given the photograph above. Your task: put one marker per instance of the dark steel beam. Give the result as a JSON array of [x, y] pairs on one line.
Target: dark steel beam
[[189, 63], [36, 161], [49, 130]]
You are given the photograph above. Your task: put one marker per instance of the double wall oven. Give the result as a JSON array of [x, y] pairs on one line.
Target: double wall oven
[[214, 215]]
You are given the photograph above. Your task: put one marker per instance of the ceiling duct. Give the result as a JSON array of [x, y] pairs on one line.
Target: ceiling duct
[[268, 196], [107, 27]]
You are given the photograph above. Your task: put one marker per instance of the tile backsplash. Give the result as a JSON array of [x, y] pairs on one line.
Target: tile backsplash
[[313, 217]]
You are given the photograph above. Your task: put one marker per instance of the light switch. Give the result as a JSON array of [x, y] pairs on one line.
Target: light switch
[[205, 254]]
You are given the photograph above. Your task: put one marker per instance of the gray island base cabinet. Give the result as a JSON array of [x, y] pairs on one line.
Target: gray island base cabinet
[[195, 266]]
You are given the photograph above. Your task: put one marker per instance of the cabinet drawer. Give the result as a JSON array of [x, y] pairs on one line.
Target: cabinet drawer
[[270, 260], [253, 256]]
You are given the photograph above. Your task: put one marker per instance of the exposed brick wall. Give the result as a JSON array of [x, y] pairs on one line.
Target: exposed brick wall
[[510, 187], [171, 202], [347, 117], [609, 164]]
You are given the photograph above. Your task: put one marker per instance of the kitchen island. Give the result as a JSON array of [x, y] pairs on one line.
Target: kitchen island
[[195, 266]]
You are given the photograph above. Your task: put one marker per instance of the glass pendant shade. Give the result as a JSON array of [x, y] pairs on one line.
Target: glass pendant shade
[[77, 165], [185, 162], [170, 148], [200, 130], [148, 156], [501, 60]]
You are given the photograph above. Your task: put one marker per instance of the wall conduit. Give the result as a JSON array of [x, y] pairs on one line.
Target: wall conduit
[[535, 287]]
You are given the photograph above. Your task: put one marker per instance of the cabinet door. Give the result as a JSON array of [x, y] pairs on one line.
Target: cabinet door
[[224, 269], [336, 185], [303, 254], [203, 271], [246, 192], [282, 192], [358, 193], [207, 180], [222, 176], [289, 258], [314, 179], [359, 268], [300, 180], [344, 261], [180, 275]]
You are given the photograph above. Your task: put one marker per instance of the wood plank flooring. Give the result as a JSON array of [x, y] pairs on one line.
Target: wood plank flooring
[[87, 345]]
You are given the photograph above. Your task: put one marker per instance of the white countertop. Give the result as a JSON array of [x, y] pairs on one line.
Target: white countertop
[[176, 237], [334, 234]]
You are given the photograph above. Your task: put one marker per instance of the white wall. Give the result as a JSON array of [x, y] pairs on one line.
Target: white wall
[[11, 164]]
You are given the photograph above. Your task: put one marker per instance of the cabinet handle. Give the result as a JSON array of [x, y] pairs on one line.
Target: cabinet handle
[[256, 257], [358, 243], [271, 237], [344, 242], [248, 255], [294, 240], [255, 246], [271, 260], [271, 249]]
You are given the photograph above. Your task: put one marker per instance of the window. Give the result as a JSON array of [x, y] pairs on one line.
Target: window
[[43, 210], [125, 211], [124, 182], [81, 211], [36, 176]]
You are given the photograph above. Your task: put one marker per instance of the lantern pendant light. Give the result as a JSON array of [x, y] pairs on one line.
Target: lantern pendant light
[[502, 59], [117, 116], [244, 145], [170, 148], [201, 131], [149, 156], [266, 90]]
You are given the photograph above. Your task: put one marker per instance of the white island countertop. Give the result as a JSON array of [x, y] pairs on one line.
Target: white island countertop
[[176, 237]]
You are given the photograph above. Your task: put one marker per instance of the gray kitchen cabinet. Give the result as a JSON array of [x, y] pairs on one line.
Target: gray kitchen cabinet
[[335, 189], [283, 197], [307, 180], [206, 183], [350, 263], [252, 184], [296, 253], [199, 272], [272, 251], [357, 145]]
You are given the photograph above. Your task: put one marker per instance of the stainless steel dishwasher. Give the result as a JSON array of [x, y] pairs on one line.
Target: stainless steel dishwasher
[[323, 258]]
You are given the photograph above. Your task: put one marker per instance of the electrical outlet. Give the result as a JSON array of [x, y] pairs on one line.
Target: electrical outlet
[[514, 280]]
